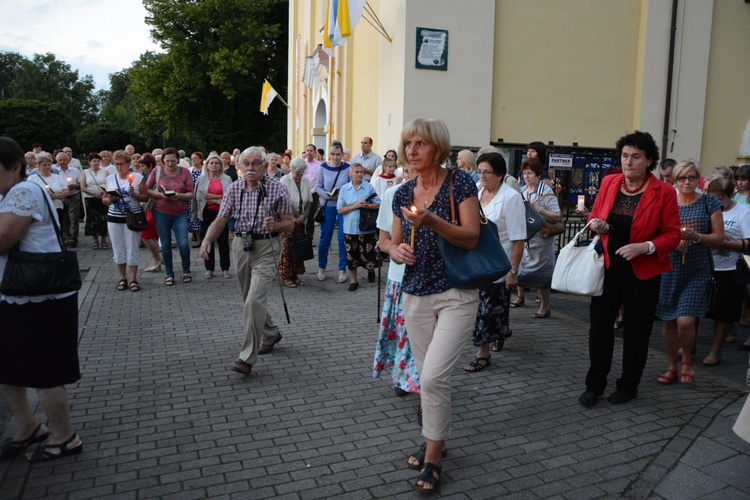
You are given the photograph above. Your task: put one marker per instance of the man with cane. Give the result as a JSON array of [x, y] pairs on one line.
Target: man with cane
[[262, 210]]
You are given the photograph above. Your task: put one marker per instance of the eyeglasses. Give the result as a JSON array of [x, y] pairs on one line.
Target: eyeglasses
[[484, 173], [254, 164], [688, 178]]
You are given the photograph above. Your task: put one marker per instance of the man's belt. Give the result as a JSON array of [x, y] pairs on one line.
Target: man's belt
[[258, 236]]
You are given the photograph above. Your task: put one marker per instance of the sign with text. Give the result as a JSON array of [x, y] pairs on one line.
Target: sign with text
[[432, 49], [561, 162]]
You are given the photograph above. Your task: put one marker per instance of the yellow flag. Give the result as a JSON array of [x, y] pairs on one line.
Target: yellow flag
[[267, 96]]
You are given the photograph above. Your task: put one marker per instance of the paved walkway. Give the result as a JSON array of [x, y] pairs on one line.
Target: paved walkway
[[161, 416]]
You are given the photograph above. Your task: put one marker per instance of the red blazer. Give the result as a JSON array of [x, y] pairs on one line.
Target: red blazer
[[657, 219]]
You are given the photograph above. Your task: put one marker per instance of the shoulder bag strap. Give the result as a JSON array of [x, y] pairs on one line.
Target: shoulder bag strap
[[452, 201], [58, 233]]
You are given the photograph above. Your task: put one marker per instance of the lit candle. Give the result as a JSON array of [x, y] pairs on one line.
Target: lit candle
[[683, 255], [130, 178], [413, 229], [70, 179], [581, 203]]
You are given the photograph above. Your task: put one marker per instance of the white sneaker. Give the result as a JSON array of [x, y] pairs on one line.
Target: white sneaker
[[227, 275], [209, 275], [342, 277], [321, 274]]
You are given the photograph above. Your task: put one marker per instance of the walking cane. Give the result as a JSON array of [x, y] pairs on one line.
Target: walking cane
[[262, 187], [380, 256]]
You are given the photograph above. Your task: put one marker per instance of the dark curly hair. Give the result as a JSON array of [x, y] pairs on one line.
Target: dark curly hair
[[496, 161], [642, 141]]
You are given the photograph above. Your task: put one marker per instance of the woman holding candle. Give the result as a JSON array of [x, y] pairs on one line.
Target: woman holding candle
[[172, 193], [637, 218], [96, 211], [132, 191], [53, 183], [684, 290], [440, 318]]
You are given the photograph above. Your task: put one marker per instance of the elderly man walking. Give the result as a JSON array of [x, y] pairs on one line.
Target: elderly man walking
[[71, 220], [262, 210]]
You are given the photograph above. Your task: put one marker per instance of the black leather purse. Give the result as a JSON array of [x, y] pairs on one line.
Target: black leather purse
[[300, 248], [368, 219], [31, 273]]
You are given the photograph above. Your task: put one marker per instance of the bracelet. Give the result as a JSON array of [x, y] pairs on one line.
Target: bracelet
[[699, 238]]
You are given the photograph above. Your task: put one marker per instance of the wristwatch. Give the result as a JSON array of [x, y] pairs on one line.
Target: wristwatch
[[514, 272], [651, 248]]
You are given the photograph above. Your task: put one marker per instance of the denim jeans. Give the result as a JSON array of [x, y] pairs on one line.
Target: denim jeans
[[326, 235], [164, 226]]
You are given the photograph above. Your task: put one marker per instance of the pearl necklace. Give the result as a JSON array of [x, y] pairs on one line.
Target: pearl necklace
[[633, 191]]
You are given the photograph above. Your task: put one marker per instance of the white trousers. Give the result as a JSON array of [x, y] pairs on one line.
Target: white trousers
[[124, 243]]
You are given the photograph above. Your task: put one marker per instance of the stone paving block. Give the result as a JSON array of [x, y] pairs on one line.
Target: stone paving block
[[686, 482]]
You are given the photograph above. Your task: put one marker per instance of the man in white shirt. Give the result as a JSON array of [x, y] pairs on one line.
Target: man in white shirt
[[311, 174], [74, 162], [367, 158], [71, 219]]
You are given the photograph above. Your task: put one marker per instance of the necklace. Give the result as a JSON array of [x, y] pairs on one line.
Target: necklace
[[633, 191]]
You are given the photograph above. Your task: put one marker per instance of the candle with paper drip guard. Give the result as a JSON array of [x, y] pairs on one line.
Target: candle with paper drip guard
[[413, 229], [581, 203]]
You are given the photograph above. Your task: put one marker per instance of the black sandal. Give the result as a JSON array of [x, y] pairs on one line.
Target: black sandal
[[42, 454], [134, 286], [187, 278], [420, 454], [122, 285], [519, 302], [475, 366], [10, 448], [428, 476], [498, 345]]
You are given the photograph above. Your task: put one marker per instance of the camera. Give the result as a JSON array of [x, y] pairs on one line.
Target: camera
[[247, 241]]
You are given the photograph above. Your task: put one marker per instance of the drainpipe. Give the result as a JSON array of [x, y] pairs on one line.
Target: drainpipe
[[670, 75]]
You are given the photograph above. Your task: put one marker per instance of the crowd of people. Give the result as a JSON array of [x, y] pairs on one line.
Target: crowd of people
[[671, 248]]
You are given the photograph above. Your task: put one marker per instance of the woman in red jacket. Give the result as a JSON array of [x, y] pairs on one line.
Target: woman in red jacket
[[637, 217]]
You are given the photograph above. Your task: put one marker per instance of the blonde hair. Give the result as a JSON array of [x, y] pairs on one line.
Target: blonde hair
[[468, 157], [684, 166], [433, 131]]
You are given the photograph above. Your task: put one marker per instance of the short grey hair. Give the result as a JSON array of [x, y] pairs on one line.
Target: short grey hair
[[274, 156], [44, 156], [298, 166], [354, 165], [255, 150], [487, 149]]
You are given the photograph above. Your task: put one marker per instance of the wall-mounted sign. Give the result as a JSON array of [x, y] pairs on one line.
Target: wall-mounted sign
[[432, 49], [561, 162]]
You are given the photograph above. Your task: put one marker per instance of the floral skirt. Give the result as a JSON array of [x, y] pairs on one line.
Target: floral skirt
[[96, 217], [392, 348], [493, 314], [287, 268]]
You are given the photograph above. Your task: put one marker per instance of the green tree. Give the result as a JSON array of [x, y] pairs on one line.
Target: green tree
[[9, 61], [30, 121], [46, 79], [206, 85]]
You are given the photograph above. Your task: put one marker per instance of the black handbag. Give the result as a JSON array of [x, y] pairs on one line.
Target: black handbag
[[136, 221], [320, 214], [534, 220], [742, 275], [31, 273], [368, 219], [300, 248], [480, 267]]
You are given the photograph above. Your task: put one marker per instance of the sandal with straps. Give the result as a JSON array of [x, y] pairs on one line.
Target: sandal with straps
[[668, 377], [289, 283], [187, 278], [687, 378], [10, 448], [427, 476], [122, 285], [43, 453], [420, 455], [519, 302], [134, 286], [475, 366], [169, 281]]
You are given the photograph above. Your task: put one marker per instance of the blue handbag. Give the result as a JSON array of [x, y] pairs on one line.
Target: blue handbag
[[479, 267]]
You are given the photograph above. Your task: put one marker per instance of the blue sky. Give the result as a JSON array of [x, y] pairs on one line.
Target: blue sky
[[95, 37]]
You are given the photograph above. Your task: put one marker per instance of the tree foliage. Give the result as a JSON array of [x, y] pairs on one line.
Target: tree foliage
[[46, 79], [206, 85], [30, 121], [106, 135]]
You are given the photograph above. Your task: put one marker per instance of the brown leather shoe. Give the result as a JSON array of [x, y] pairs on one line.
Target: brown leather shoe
[[265, 349], [242, 367]]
